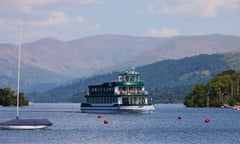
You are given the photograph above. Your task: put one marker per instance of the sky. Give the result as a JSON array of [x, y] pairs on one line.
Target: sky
[[74, 19]]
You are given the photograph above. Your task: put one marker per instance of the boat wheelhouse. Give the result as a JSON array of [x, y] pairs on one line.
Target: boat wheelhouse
[[127, 94]]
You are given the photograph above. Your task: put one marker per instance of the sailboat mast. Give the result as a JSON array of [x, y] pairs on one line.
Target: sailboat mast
[[19, 67]]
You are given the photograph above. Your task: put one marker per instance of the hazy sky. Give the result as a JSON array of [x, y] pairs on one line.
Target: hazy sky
[[73, 19]]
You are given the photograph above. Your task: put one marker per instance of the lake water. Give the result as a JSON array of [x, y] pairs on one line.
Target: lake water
[[161, 127]]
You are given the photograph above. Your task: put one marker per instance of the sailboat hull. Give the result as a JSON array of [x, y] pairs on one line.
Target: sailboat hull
[[25, 124], [12, 127]]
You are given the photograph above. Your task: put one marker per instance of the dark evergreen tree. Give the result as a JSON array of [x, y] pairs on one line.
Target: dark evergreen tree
[[7, 98], [223, 89]]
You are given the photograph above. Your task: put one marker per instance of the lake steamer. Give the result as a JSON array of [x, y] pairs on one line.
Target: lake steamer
[[127, 94]]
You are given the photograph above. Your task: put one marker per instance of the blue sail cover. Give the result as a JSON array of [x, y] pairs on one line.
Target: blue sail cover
[[26, 122]]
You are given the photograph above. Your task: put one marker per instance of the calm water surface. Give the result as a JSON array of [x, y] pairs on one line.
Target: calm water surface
[[161, 127]]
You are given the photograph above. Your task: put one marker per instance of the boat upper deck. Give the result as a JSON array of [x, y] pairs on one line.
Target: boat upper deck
[[127, 78], [128, 83]]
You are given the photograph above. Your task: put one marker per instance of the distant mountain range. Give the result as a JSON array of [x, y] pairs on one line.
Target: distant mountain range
[[49, 62], [167, 81]]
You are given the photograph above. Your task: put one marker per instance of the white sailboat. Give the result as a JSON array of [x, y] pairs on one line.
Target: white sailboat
[[23, 124]]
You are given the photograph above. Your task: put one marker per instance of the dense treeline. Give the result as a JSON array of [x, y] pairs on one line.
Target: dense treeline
[[221, 89], [7, 98]]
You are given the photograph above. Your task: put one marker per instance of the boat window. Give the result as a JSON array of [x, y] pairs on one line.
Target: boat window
[[125, 100]]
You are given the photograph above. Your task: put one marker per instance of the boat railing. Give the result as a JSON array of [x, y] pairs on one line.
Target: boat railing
[[99, 94], [132, 92]]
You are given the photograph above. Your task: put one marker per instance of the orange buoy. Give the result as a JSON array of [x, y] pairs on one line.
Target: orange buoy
[[105, 121], [207, 120], [179, 117], [99, 116]]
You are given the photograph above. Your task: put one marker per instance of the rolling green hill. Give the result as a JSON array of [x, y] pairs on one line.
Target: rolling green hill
[[167, 81]]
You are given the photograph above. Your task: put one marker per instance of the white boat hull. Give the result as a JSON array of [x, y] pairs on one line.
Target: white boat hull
[[26, 127], [25, 124], [141, 109], [118, 109]]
